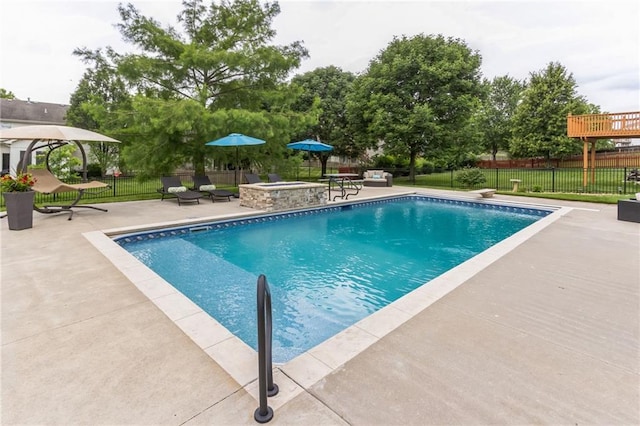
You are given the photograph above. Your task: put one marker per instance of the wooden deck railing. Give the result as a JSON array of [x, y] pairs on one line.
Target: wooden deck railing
[[617, 125]]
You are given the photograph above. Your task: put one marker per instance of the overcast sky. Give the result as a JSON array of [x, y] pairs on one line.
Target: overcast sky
[[597, 41]]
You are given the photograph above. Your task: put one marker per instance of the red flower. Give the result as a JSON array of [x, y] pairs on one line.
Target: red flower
[[21, 183]]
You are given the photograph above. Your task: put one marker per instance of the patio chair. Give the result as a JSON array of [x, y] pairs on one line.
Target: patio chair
[[273, 177], [252, 178], [172, 187], [203, 184], [47, 183], [377, 178]]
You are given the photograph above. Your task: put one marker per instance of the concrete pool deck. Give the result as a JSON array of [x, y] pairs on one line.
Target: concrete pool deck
[[548, 333]]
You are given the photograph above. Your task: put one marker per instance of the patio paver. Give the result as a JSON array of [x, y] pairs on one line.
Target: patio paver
[[548, 334]]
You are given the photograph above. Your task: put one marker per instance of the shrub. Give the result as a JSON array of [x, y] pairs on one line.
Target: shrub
[[94, 170], [383, 161], [470, 177], [427, 167]]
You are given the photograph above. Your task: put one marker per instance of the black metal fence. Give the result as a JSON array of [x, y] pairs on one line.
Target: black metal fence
[[129, 185], [570, 180]]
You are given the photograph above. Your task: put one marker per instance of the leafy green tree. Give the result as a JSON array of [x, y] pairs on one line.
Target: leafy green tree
[[62, 161], [105, 155], [324, 96], [417, 96], [540, 120], [494, 118], [218, 75], [5, 94], [95, 104], [99, 94]]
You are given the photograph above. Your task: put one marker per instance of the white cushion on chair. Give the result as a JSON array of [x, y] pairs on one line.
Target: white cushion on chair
[[207, 187], [174, 189]]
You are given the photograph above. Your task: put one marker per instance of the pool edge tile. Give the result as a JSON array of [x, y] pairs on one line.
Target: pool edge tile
[[203, 330], [288, 389], [306, 369], [238, 359], [383, 321], [343, 346]]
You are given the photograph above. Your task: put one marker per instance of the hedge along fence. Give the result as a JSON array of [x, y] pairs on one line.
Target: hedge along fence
[[607, 181]]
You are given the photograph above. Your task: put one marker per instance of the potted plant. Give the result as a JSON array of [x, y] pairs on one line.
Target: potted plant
[[18, 197]]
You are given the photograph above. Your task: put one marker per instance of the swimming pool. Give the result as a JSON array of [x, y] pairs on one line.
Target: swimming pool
[[339, 265]]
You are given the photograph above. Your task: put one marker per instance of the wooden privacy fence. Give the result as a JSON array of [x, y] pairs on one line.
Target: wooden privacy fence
[[603, 159]]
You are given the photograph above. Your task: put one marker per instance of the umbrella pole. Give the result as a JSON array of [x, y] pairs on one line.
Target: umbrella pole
[[309, 153], [235, 172]]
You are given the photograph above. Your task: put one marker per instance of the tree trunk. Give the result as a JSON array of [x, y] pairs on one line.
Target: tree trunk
[[198, 164], [412, 167], [324, 159]]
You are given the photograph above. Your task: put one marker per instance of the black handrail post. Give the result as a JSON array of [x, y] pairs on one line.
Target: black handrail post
[[266, 387], [272, 388]]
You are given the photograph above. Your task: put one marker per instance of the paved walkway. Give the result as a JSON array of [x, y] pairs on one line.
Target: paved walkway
[[547, 334]]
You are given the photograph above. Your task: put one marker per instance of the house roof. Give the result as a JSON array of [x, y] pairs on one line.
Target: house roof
[[28, 112]]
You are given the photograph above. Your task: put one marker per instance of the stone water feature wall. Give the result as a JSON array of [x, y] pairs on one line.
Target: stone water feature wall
[[283, 195]]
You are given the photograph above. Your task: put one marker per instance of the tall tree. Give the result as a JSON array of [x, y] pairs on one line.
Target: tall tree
[[417, 95], [200, 83], [6, 94], [100, 95], [324, 95], [496, 113], [540, 120]]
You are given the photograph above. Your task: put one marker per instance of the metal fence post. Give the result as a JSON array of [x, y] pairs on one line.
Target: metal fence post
[[553, 179]]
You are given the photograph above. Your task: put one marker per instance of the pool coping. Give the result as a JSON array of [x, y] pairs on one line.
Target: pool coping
[[293, 377]]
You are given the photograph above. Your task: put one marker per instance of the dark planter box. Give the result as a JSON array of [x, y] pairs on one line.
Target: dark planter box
[[19, 209], [629, 210]]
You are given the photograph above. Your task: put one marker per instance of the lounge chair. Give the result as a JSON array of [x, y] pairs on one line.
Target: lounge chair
[[172, 187], [273, 177], [47, 183], [203, 184], [252, 178]]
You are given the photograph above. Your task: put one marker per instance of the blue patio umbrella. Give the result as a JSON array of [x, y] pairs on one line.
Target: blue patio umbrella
[[310, 145], [237, 140]]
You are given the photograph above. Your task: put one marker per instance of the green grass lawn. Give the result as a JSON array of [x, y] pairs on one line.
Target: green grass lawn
[[609, 186]]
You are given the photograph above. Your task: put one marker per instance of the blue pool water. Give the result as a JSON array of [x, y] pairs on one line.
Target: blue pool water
[[327, 268]]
